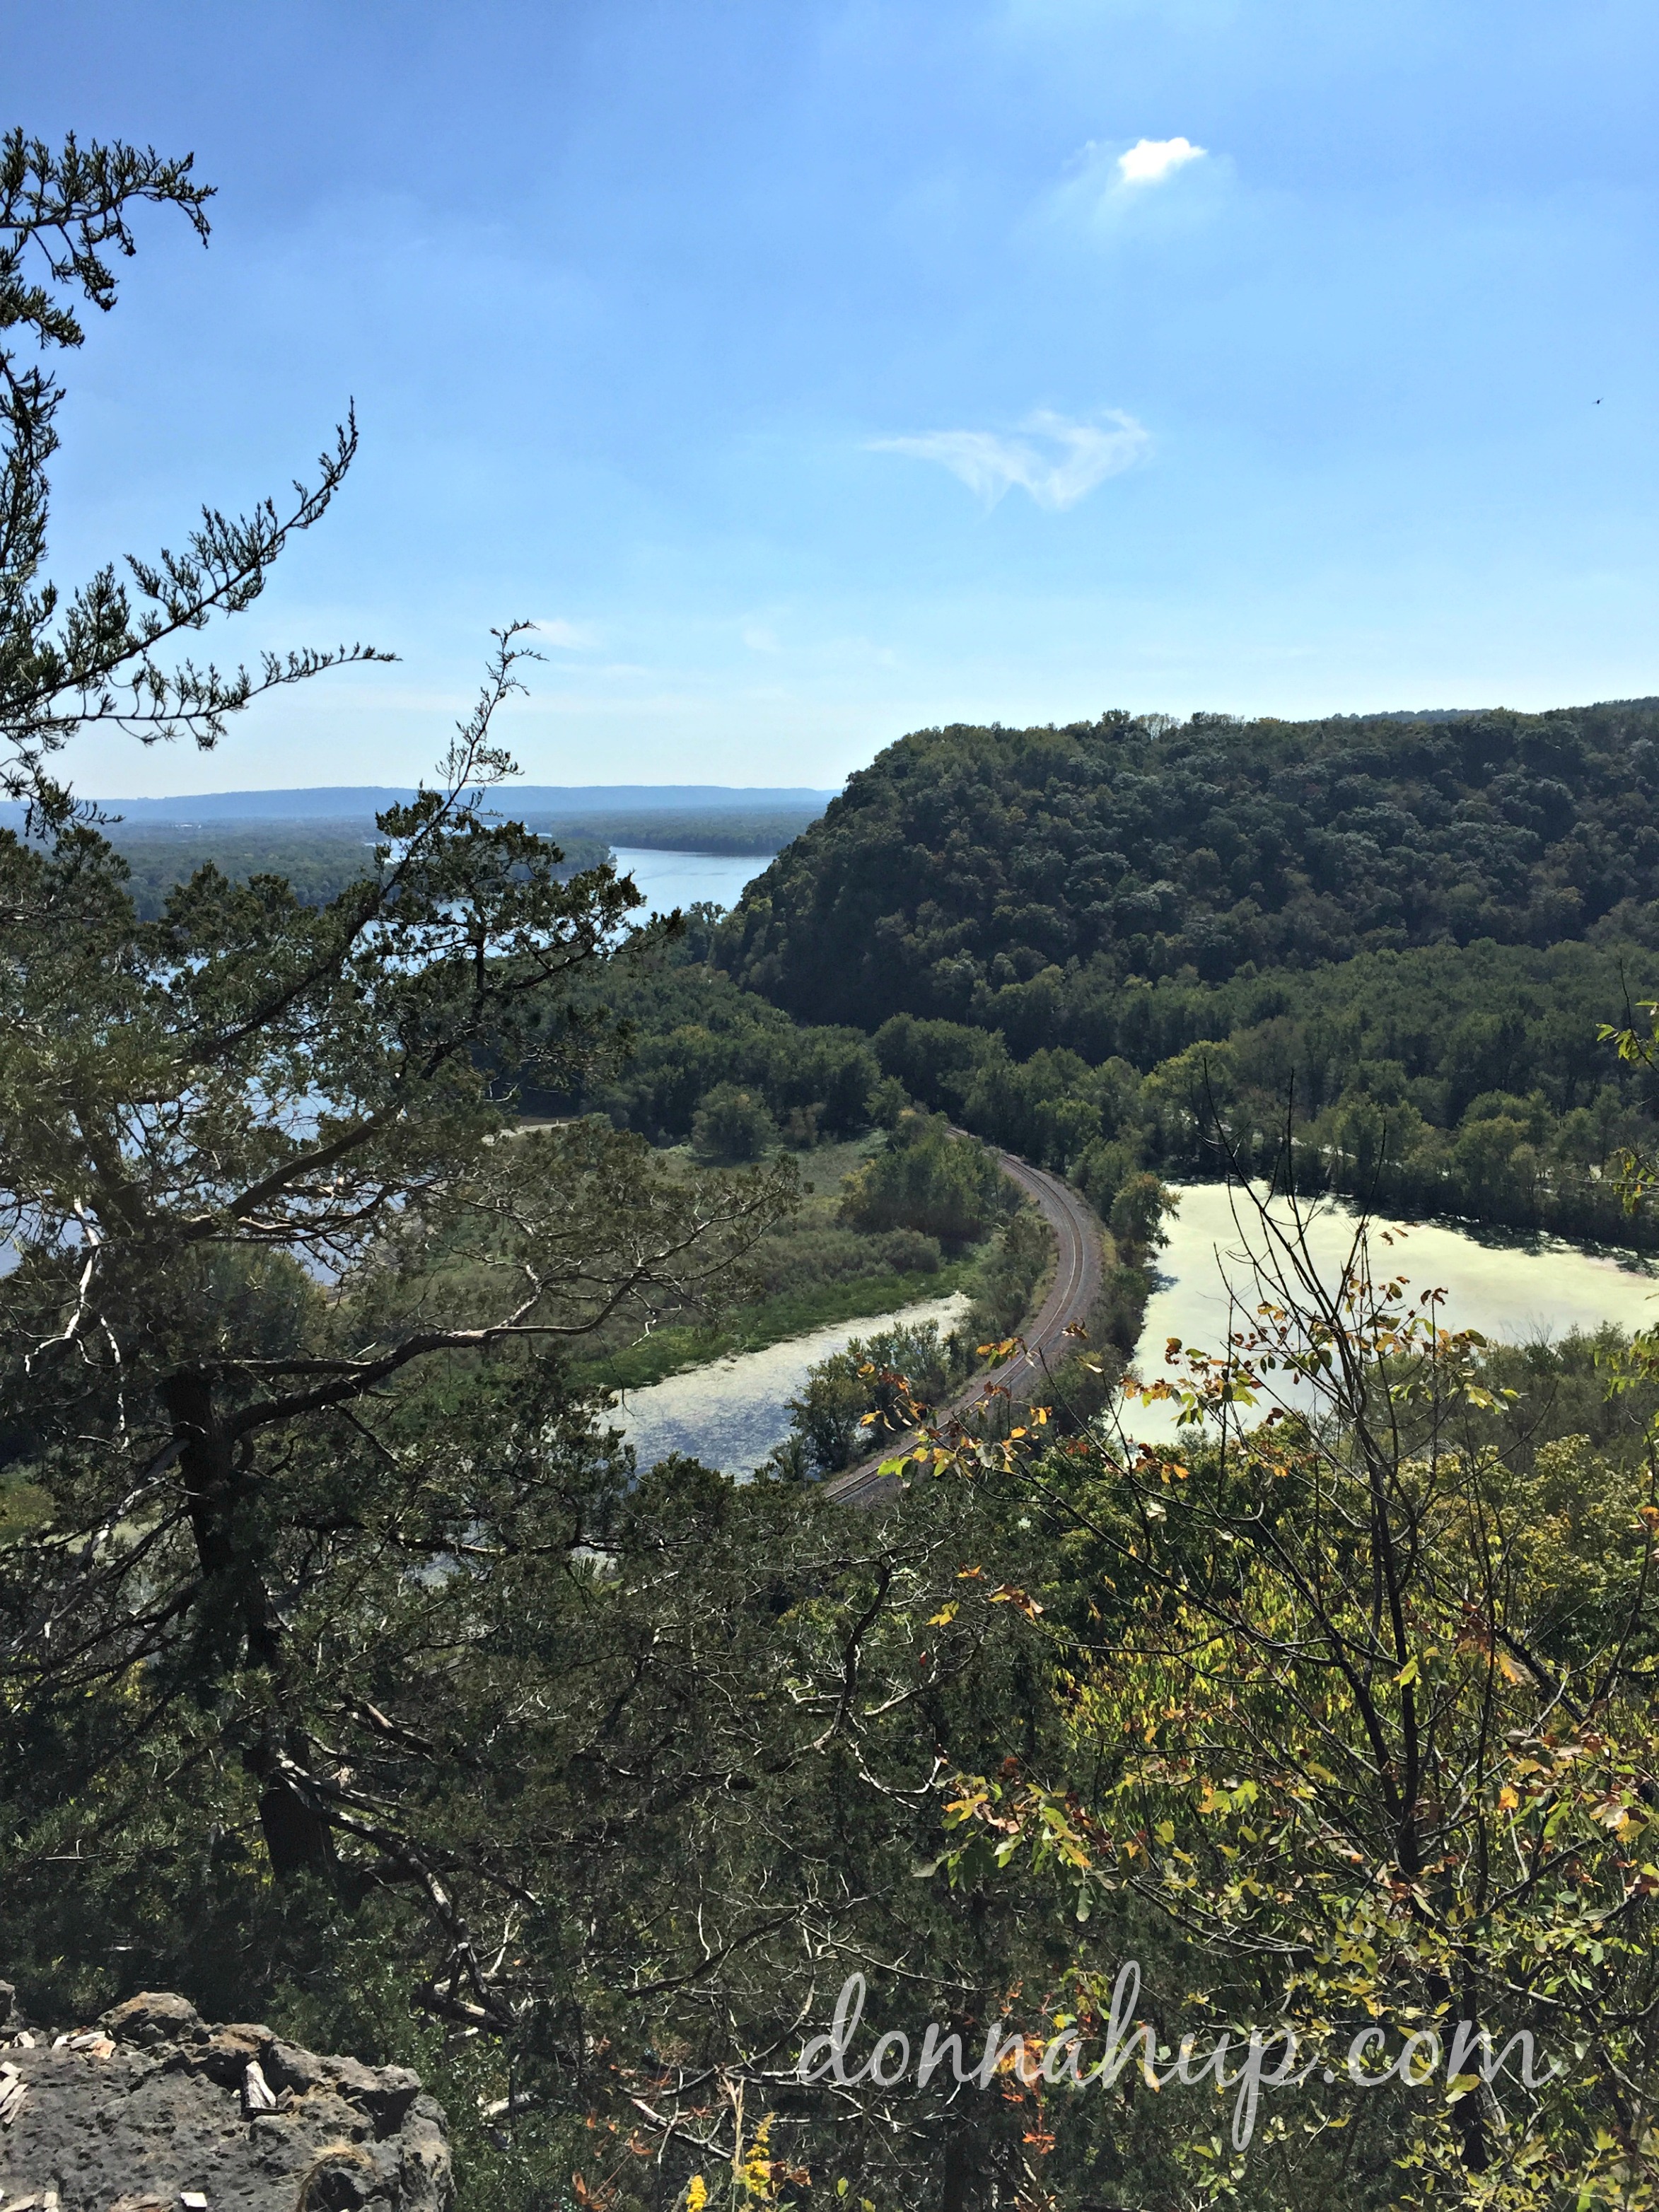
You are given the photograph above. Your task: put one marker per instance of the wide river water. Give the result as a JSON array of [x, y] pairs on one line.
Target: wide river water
[[671, 879], [730, 1413], [1513, 1289]]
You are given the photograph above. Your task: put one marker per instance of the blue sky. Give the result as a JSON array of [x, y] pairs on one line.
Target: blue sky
[[816, 372]]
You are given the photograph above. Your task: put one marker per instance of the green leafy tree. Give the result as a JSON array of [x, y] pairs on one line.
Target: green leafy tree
[[732, 1124], [926, 1179], [1361, 1711], [1137, 1214], [1011, 1272], [203, 1120], [853, 1400], [626, 1771], [1637, 1165]]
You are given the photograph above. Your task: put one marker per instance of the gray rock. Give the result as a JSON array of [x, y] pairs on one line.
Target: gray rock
[[163, 2114], [154, 2016]]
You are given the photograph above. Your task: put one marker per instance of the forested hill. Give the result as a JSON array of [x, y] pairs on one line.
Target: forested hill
[[1014, 878]]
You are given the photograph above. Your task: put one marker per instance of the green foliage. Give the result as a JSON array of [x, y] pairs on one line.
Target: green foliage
[[694, 1029], [926, 1179], [887, 1101], [1016, 878], [1138, 1209], [1104, 1170], [1396, 938], [680, 829], [1637, 1165], [1007, 1284], [659, 1753], [799, 1253], [317, 859], [1466, 1082], [203, 1119], [881, 1375], [731, 1124], [1358, 1704]]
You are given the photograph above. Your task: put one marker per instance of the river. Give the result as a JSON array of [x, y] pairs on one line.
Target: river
[[671, 879], [1513, 1289], [730, 1413]]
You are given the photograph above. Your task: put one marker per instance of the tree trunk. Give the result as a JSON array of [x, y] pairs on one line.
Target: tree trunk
[[959, 2174], [236, 1616], [298, 1837]]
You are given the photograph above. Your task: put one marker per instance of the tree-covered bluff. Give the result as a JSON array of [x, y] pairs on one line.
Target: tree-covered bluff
[[1016, 880]]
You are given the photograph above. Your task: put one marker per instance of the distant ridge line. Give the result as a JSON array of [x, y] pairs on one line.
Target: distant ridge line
[[1457, 714], [353, 802]]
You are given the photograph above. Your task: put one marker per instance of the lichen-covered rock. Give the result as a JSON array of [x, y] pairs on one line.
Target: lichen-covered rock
[[153, 2106]]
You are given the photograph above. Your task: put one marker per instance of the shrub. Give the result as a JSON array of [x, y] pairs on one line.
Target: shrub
[[927, 1180], [886, 1102], [1011, 1275], [1104, 1170], [1138, 1212], [908, 1252], [731, 1124], [829, 1414], [800, 1257]]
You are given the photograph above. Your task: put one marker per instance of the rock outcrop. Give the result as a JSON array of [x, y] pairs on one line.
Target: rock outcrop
[[152, 2110]]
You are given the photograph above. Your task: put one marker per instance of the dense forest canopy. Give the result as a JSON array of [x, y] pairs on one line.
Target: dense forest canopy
[[736, 829], [317, 859], [1012, 878]]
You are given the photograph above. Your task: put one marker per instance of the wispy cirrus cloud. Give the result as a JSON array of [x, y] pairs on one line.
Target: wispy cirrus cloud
[[1078, 455]]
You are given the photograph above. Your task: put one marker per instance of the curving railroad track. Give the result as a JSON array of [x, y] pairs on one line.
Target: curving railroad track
[[1073, 1291]]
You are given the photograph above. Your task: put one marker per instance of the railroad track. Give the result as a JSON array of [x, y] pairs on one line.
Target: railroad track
[[1075, 1288]]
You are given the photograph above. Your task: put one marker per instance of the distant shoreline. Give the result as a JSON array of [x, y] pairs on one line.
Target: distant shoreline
[[362, 802]]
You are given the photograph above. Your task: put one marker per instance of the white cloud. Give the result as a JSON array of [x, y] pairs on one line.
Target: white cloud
[[1080, 455], [759, 639], [1149, 160], [1168, 181], [569, 636]]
